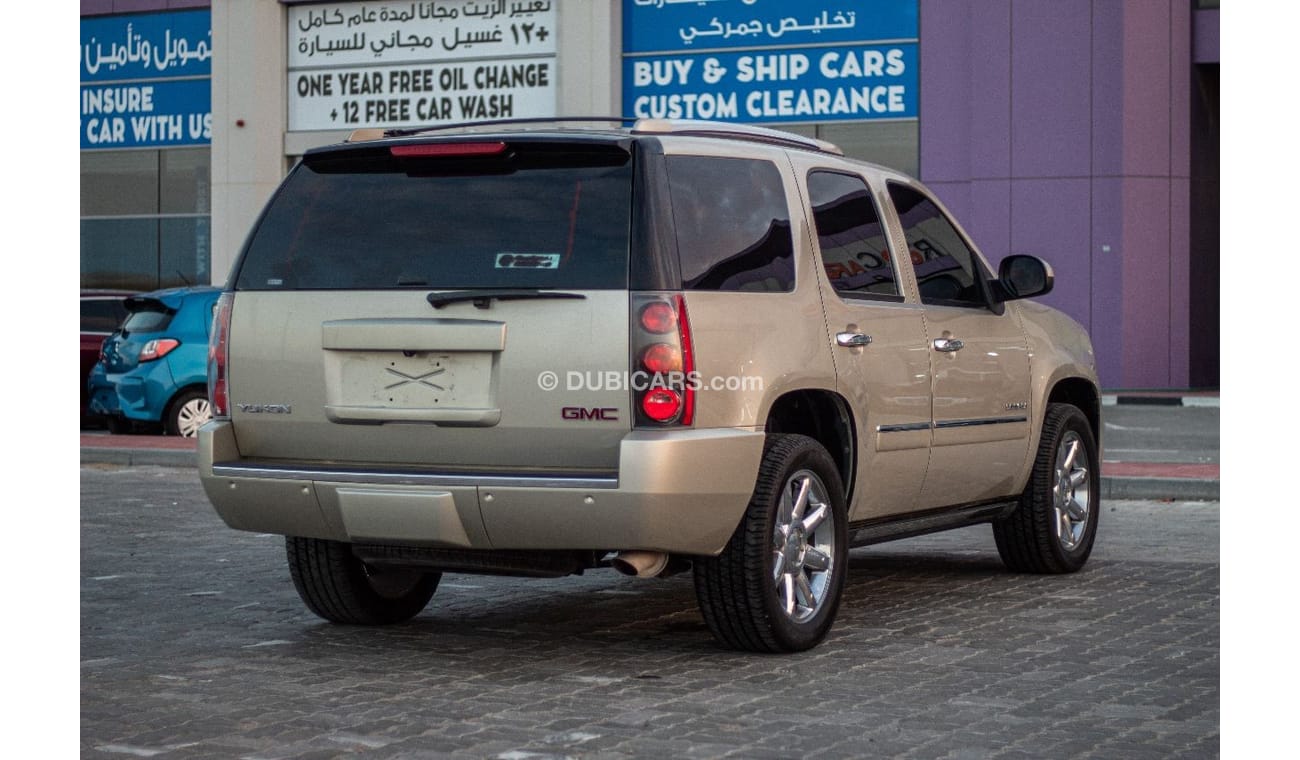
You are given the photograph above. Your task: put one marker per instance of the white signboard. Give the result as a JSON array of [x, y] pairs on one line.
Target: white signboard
[[392, 64]]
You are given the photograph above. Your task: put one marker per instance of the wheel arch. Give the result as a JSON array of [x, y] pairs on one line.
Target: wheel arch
[[181, 391], [1079, 392], [824, 416]]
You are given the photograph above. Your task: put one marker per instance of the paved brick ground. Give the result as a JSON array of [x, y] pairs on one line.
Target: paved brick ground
[[195, 645]]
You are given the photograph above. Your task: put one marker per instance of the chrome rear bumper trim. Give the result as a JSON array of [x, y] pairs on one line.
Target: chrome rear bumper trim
[[406, 478]]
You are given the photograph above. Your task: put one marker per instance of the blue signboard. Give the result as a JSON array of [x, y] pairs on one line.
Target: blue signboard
[[146, 114], [653, 26], [146, 80], [778, 61], [812, 84]]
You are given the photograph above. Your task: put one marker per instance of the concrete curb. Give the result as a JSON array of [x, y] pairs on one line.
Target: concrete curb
[[138, 457], [1144, 489], [1112, 488], [1122, 399]]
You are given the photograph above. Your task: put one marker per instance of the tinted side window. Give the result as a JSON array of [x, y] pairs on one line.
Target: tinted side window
[[946, 270], [733, 225], [102, 315], [855, 252]]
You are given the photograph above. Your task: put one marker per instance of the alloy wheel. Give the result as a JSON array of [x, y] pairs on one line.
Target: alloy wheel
[[803, 546], [1071, 494]]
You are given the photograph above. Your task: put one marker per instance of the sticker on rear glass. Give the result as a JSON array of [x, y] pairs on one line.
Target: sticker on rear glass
[[528, 261]]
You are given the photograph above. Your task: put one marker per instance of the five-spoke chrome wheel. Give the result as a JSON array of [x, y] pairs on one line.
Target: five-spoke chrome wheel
[[1071, 494], [803, 541]]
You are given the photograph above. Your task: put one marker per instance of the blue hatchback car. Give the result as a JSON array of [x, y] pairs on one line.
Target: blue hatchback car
[[154, 369]]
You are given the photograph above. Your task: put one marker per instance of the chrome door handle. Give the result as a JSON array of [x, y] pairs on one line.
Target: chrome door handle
[[851, 340], [948, 345]]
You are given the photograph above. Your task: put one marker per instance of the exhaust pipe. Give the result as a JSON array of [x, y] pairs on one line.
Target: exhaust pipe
[[640, 564]]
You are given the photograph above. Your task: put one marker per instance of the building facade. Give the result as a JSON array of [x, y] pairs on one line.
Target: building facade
[[1083, 131]]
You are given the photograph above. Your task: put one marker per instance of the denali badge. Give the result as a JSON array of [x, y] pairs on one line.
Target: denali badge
[[265, 408], [594, 413]]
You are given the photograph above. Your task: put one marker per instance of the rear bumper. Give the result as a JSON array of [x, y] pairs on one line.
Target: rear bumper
[[140, 394], [675, 491]]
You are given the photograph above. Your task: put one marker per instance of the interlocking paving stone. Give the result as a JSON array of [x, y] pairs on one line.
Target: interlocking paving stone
[[194, 645]]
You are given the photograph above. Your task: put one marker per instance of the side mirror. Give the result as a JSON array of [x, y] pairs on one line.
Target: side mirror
[[1021, 276]]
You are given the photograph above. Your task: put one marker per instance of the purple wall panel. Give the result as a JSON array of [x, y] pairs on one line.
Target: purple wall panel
[[1146, 88], [1205, 28], [1107, 97], [1050, 72], [1180, 90], [989, 222], [955, 196], [1180, 338], [1049, 218], [990, 92], [103, 7], [945, 90], [1107, 295], [1146, 282]]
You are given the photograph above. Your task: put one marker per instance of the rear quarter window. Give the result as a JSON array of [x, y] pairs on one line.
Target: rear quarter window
[[733, 224]]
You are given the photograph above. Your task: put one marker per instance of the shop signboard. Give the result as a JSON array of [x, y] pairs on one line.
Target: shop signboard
[[777, 61], [146, 80], [395, 64]]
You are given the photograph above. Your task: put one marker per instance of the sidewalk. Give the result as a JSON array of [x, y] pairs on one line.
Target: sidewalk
[[1126, 476]]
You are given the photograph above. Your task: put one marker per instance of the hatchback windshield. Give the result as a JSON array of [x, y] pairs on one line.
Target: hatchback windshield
[[147, 320]]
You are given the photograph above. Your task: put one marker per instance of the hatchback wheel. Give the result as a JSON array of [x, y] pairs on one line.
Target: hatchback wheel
[[776, 586], [188, 413]]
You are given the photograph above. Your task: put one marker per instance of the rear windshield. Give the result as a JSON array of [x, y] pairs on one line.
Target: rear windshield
[[540, 216], [148, 319]]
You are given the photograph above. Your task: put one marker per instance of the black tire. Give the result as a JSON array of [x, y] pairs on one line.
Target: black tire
[[1042, 535], [181, 419], [337, 586], [741, 591], [118, 425]]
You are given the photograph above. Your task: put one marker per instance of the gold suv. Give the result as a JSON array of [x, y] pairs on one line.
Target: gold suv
[[539, 348]]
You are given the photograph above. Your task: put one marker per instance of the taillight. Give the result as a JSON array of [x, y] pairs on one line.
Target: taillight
[[658, 317], [158, 348], [661, 405], [219, 357], [663, 361], [662, 358]]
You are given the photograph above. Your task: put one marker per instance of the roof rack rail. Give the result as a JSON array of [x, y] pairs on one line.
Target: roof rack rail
[[407, 131], [724, 129], [688, 127]]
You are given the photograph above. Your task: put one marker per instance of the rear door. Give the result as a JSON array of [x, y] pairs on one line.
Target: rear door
[[979, 359], [877, 336], [463, 307]]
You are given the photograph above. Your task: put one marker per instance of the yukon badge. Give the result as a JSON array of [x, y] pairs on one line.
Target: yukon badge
[[1016, 406], [265, 408]]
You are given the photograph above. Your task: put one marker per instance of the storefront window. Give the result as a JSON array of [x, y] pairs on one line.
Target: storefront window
[[145, 218]]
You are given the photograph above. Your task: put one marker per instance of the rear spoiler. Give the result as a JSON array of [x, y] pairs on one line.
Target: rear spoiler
[[146, 303]]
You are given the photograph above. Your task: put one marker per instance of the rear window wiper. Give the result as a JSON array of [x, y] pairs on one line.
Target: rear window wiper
[[483, 298]]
